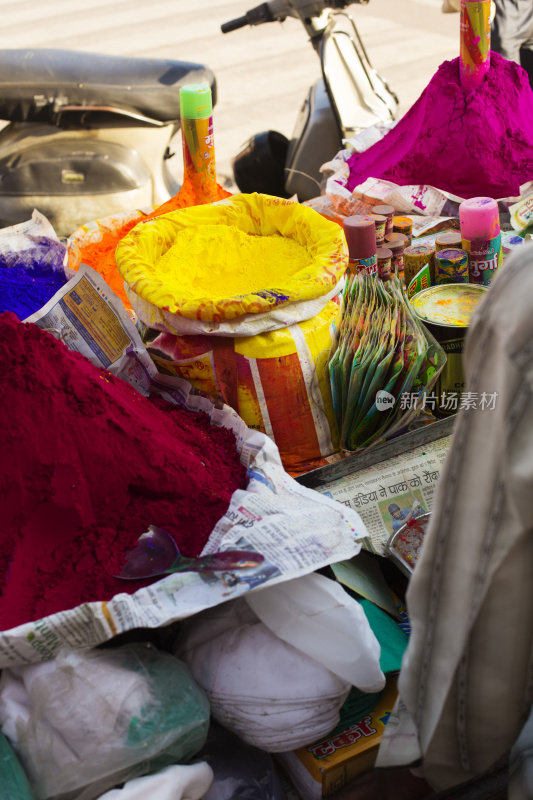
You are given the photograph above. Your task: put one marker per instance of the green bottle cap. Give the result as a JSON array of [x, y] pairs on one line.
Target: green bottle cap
[[195, 101]]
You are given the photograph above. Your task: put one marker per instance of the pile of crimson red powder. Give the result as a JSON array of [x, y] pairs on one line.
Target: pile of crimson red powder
[[87, 463]]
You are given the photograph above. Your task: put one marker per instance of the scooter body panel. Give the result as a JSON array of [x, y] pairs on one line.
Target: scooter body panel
[[350, 96], [89, 135], [315, 140], [359, 95], [76, 176]]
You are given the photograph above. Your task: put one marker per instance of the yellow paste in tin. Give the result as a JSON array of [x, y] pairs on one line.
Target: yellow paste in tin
[[448, 304], [220, 261]]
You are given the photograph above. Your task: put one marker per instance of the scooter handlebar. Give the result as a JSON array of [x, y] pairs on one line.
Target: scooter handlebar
[[278, 10], [255, 16], [233, 24]]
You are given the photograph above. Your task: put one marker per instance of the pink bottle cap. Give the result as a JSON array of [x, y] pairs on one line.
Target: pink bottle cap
[[360, 232], [479, 218]]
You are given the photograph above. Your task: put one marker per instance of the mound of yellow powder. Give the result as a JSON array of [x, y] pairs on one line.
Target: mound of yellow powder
[[220, 261]]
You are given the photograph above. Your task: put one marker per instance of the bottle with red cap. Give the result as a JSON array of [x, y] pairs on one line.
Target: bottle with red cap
[[360, 232]]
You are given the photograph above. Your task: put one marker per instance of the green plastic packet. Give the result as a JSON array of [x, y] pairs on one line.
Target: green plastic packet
[[14, 784]]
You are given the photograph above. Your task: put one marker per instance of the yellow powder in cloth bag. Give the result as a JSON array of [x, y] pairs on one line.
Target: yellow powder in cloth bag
[[246, 255], [219, 261]]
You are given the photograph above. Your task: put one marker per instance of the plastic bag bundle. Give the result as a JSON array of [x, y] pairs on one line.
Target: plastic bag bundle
[[259, 687], [383, 354], [86, 721], [270, 693]]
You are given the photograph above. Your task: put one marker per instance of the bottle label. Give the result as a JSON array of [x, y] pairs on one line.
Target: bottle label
[[484, 258], [397, 263], [385, 268], [368, 265], [381, 229]]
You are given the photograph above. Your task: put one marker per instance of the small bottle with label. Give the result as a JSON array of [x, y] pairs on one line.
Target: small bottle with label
[[415, 257], [360, 232], [388, 213], [451, 266], [397, 246], [447, 240], [381, 225], [196, 113], [403, 225], [385, 269]]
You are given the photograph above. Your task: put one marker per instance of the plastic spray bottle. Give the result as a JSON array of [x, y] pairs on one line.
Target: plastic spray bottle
[[481, 238], [196, 112], [474, 60]]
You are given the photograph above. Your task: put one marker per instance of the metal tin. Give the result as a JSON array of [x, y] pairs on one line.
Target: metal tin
[[403, 225], [446, 311], [360, 233], [405, 544], [415, 257], [484, 259], [447, 240], [397, 237], [451, 266], [366, 265]]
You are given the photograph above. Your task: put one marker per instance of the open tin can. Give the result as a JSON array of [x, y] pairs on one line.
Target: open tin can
[[446, 311], [404, 545]]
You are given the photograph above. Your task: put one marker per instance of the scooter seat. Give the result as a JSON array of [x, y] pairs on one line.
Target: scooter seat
[[38, 85]]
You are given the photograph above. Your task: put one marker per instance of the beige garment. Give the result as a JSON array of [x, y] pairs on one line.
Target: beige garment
[[449, 6], [466, 683]]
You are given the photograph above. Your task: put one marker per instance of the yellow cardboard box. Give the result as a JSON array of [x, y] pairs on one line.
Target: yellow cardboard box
[[324, 767]]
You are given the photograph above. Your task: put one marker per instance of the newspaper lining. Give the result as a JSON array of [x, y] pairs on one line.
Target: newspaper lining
[[408, 480]]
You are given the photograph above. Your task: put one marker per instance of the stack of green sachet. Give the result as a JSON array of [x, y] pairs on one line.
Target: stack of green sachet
[[384, 353]]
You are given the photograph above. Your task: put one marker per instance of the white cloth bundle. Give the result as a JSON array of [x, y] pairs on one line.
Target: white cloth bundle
[[273, 694]]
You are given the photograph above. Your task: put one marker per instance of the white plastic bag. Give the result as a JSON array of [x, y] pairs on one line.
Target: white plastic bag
[[316, 615], [87, 721]]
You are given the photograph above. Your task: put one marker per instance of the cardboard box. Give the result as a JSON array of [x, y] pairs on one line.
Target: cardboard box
[[324, 767]]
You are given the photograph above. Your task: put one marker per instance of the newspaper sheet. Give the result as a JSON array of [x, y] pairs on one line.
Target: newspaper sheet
[[383, 494], [297, 529]]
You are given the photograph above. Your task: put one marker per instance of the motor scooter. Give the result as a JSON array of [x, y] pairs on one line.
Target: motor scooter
[[89, 135], [350, 96]]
